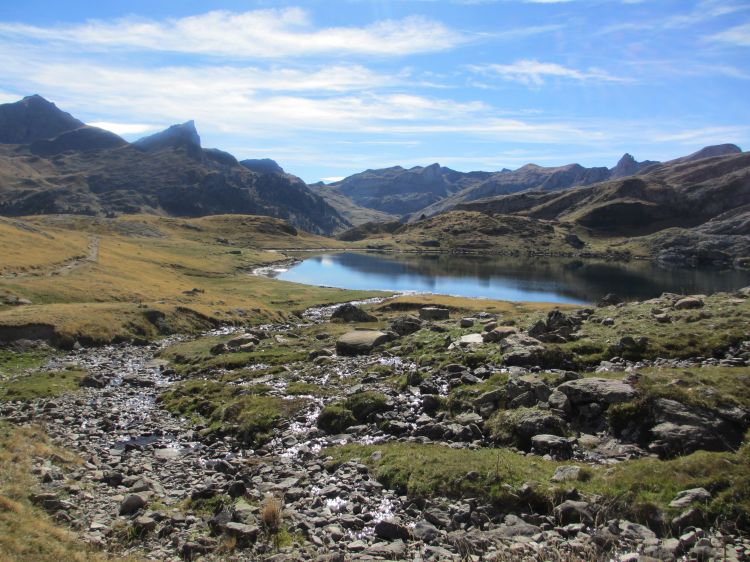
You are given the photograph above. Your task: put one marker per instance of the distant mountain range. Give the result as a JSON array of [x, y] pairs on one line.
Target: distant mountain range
[[408, 194], [51, 162], [694, 209]]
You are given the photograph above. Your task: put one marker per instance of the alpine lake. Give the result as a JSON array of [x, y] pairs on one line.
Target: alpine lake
[[536, 279]]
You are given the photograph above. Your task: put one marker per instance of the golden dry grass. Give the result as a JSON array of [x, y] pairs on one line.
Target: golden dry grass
[[152, 263], [27, 534]]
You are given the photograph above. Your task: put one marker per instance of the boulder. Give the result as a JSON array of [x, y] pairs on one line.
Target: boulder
[[554, 445], [568, 473], [405, 325], [433, 313], [425, 531], [245, 534], [350, 313], [687, 497], [688, 303], [499, 333], [680, 429], [521, 350], [391, 529], [240, 341], [360, 342], [571, 511], [132, 504], [469, 340], [597, 390]]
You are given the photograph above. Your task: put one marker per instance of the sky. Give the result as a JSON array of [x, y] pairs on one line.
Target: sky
[[329, 88]]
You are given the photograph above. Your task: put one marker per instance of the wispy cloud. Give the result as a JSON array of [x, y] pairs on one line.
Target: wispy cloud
[[534, 72], [268, 34], [703, 11], [738, 36]]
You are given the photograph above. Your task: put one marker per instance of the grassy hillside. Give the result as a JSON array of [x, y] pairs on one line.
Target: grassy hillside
[[503, 234], [99, 280]]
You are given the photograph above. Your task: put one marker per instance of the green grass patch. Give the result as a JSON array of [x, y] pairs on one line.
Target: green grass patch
[[12, 362], [244, 411], [42, 384], [195, 356], [636, 489], [708, 331]]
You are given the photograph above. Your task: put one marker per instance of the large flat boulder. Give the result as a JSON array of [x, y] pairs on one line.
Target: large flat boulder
[[360, 342], [597, 390]]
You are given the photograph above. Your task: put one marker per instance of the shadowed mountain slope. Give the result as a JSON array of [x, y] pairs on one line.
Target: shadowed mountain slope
[[52, 163]]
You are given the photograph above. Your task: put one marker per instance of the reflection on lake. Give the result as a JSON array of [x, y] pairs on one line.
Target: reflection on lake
[[508, 278]]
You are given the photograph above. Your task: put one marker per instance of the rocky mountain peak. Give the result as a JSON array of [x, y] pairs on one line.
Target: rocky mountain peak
[[629, 166], [176, 136], [33, 118]]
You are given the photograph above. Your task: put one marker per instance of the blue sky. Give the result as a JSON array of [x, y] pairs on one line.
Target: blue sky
[[329, 88]]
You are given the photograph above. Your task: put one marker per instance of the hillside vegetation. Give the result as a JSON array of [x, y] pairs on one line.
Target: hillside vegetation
[[67, 278]]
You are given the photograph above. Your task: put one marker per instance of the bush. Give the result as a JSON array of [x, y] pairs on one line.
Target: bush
[[335, 418]]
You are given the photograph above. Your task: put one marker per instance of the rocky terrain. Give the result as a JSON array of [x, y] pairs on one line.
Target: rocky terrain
[[52, 163], [485, 431]]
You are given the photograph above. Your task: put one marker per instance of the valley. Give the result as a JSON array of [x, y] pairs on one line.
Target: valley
[[162, 398]]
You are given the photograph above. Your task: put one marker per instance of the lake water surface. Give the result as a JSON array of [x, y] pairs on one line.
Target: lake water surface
[[507, 278]]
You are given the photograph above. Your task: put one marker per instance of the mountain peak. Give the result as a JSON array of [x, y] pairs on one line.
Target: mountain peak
[[33, 118], [713, 150], [628, 166], [176, 136]]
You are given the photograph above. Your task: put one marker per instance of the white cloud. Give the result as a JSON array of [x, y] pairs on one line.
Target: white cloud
[[534, 73], [332, 179], [125, 128], [704, 10], [705, 135], [738, 36], [269, 34]]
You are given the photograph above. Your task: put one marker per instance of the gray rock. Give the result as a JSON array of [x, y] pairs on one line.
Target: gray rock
[[687, 497], [571, 511], [554, 445], [569, 473], [360, 342], [433, 313], [131, 504], [521, 350], [688, 303], [245, 534], [405, 325], [350, 313], [391, 529], [425, 531], [597, 390]]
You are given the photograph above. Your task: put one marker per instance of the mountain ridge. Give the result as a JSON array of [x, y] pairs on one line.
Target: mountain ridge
[[66, 166]]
